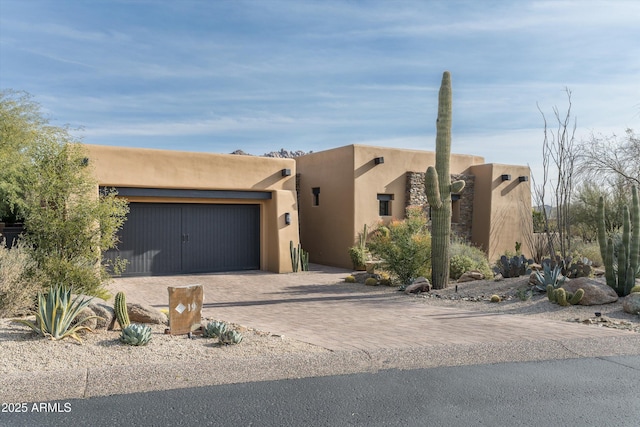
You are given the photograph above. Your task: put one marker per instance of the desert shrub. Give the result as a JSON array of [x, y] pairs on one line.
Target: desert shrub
[[460, 264], [590, 251], [465, 257], [405, 250], [18, 282], [350, 279]]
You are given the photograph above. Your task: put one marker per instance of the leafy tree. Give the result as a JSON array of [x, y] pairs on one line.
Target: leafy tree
[[405, 246], [584, 208], [67, 222]]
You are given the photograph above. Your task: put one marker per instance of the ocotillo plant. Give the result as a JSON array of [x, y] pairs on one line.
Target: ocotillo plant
[[439, 187], [621, 275]]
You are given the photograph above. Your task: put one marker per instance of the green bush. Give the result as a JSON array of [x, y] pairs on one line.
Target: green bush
[[350, 279], [406, 248], [18, 282], [465, 257], [460, 264]]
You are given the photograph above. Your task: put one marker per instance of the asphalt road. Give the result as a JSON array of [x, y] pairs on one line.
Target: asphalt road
[[575, 392]]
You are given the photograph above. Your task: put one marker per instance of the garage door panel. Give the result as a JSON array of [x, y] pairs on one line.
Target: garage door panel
[[162, 239], [221, 237]]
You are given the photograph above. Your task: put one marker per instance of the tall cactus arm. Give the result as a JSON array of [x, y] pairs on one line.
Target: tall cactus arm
[[432, 188], [602, 239], [457, 186], [623, 251], [634, 254], [609, 274]]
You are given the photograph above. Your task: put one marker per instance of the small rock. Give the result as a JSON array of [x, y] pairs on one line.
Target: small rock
[[470, 276], [631, 303], [595, 293], [107, 316], [139, 313], [421, 284]]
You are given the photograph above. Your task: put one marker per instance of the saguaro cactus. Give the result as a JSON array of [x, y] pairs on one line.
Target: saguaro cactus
[[439, 187], [628, 258]]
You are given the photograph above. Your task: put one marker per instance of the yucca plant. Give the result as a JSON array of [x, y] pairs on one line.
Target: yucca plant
[[56, 313], [136, 334]]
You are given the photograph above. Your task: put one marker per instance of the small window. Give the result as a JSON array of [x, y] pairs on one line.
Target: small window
[[455, 208], [316, 196], [384, 204]]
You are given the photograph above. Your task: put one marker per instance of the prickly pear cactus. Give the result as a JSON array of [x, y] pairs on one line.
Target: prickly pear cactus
[[120, 308], [438, 187]]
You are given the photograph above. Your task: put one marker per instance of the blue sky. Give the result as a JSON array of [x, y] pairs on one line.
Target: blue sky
[[216, 76]]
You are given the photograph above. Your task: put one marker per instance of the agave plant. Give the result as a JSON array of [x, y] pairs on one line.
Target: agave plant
[[214, 329], [230, 337], [549, 276], [56, 314], [136, 334]]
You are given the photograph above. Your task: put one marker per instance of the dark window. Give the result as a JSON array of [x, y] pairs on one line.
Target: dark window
[[316, 196], [384, 204]]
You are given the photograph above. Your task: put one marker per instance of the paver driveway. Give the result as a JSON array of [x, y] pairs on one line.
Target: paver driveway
[[317, 307]]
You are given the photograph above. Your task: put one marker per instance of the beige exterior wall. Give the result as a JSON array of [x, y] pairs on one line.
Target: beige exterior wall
[[502, 209], [353, 182], [327, 229], [146, 168]]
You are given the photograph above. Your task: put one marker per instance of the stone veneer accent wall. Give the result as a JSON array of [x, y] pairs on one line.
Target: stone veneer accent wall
[[416, 196]]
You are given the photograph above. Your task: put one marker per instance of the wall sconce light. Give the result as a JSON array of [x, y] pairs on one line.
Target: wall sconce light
[[286, 172], [506, 177], [378, 160], [287, 218], [523, 178]]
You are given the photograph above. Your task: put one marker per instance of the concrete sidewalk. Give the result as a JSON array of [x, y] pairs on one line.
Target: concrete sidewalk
[[317, 307]]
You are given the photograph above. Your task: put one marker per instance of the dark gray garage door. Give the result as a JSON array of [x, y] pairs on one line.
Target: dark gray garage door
[[163, 238]]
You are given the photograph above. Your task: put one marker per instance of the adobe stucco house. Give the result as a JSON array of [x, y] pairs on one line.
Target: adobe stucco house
[[342, 189], [198, 212]]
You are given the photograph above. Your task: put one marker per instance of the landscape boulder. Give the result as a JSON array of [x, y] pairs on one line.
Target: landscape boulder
[[139, 313], [97, 307], [595, 292], [470, 276], [421, 284], [631, 303]]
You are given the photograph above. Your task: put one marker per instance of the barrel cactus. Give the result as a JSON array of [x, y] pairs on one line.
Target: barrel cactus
[[120, 308], [136, 334], [438, 188]]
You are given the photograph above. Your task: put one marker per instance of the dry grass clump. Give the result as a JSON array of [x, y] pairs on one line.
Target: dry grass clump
[[18, 285]]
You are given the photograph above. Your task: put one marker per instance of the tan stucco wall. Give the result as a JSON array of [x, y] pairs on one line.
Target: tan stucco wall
[[353, 182], [149, 168], [501, 209], [327, 229]]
